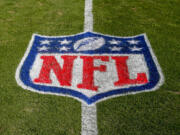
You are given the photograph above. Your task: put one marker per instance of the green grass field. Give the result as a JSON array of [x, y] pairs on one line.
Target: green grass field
[[26, 113]]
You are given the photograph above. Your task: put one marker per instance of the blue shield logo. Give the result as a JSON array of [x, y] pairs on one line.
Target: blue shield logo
[[89, 66]]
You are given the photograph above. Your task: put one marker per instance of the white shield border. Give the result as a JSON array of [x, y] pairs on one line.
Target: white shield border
[[19, 82]]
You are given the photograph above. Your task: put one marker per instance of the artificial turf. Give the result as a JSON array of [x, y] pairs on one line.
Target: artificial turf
[[26, 113]]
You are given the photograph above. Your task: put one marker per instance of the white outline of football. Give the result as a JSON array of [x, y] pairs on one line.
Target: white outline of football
[[90, 43]]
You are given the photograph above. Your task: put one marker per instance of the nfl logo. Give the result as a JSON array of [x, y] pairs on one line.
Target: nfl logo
[[89, 66]]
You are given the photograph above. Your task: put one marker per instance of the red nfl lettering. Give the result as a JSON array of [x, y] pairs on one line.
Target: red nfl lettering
[[64, 74]]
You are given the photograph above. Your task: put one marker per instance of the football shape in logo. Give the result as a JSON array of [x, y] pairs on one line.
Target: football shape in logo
[[91, 43], [89, 66]]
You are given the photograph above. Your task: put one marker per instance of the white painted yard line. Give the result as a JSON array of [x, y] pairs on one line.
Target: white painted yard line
[[88, 16], [89, 120], [88, 113]]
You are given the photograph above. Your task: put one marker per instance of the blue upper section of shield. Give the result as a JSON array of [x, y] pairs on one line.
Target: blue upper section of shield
[[57, 43]]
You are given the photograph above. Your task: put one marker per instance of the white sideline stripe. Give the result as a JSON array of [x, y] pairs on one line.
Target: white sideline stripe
[[88, 113], [88, 16]]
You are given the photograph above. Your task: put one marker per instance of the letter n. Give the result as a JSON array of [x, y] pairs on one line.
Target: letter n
[[64, 74]]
